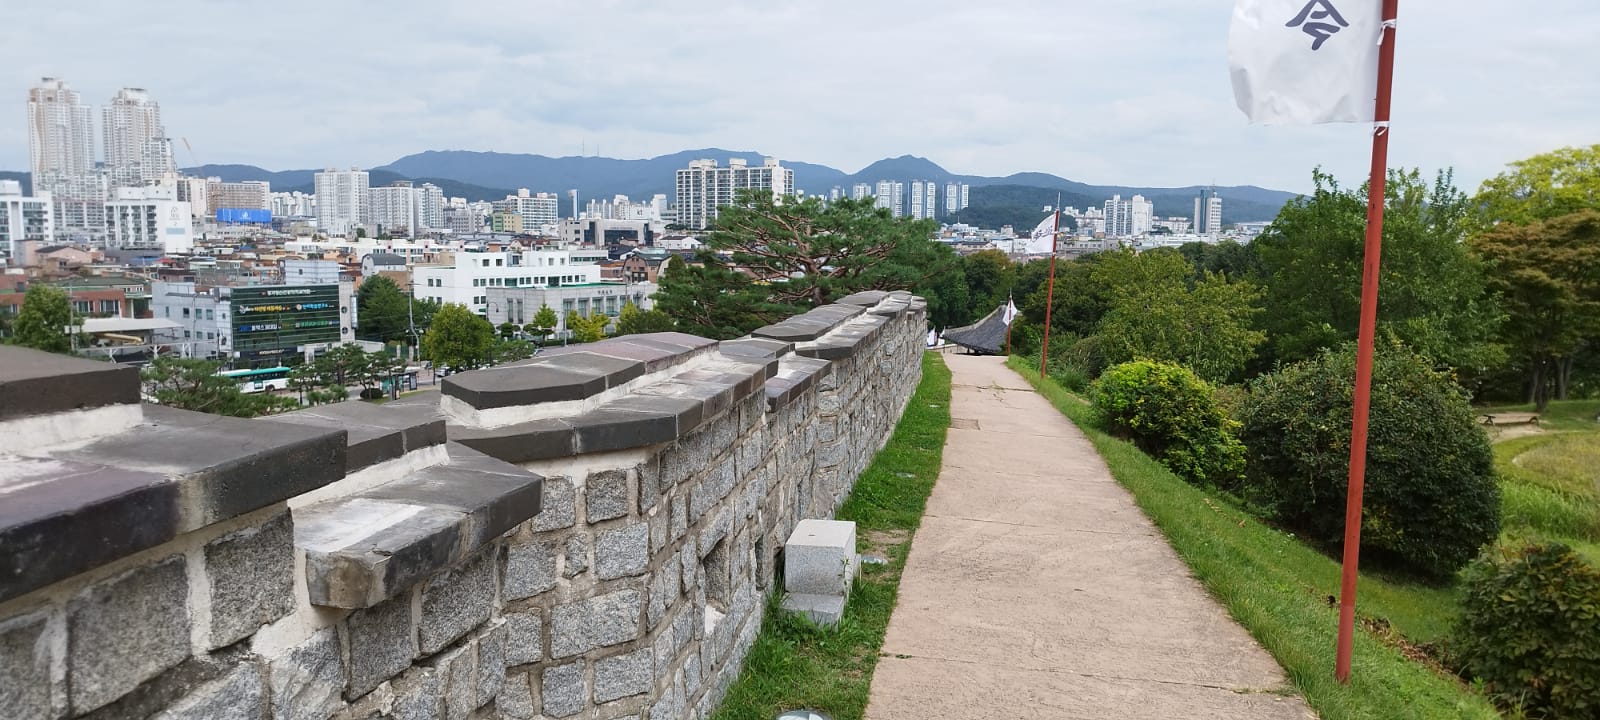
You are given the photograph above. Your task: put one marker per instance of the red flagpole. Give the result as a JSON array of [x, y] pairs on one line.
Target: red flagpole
[[1050, 295], [1369, 321]]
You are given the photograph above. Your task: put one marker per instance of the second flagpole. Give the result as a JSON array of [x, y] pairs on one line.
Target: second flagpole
[[1369, 319]]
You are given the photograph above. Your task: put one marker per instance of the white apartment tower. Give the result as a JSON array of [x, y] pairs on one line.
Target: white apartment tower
[[136, 145], [149, 217], [860, 190], [341, 200], [61, 153], [393, 208], [23, 218], [430, 205], [917, 210], [1128, 218], [1208, 213], [704, 186]]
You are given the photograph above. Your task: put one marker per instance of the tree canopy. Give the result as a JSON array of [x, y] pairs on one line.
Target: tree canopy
[[193, 384], [1161, 309], [458, 338], [385, 312], [632, 321], [1543, 187], [43, 320]]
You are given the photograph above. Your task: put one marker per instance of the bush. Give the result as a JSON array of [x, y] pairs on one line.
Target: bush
[[1530, 629], [1169, 412], [1431, 499]]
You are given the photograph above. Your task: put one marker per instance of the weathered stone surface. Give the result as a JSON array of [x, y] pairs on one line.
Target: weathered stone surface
[[491, 662], [458, 670], [824, 610], [125, 631], [382, 643], [577, 556], [25, 657], [668, 707], [660, 524], [820, 558], [516, 701], [252, 579], [239, 696], [530, 569], [559, 509], [607, 495], [419, 694], [603, 621], [622, 675], [524, 638], [552, 378], [647, 478], [376, 433], [622, 552], [680, 518], [663, 592], [456, 601], [124, 511], [39, 383], [563, 691], [305, 682]]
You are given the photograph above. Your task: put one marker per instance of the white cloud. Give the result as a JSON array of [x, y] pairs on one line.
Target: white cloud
[[1126, 93]]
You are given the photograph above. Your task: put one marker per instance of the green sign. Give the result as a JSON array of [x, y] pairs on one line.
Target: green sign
[[282, 319]]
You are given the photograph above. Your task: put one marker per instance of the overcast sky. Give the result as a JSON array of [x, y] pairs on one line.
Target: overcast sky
[[1113, 92]]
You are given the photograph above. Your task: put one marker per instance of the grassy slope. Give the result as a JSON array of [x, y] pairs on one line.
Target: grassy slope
[[1551, 481], [795, 665], [1280, 590]]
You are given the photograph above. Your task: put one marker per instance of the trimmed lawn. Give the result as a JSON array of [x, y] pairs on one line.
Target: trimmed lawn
[[794, 664], [1284, 592], [1551, 481]]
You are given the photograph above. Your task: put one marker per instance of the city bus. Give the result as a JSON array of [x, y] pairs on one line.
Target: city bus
[[259, 380]]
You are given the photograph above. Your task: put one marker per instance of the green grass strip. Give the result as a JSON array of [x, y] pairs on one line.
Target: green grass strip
[[794, 664], [1280, 590]]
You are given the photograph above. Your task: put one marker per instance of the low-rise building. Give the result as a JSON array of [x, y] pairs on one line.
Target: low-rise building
[[24, 218], [469, 278], [256, 326], [519, 305]]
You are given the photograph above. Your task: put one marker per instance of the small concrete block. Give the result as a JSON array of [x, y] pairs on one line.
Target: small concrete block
[[560, 506], [239, 696], [491, 662], [603, 621], [563, 690], [524, 638], [530, 569], [623, 552], [622, 675], [515, 701], [820, 558], [382, 643], [454, 602], [25, 658], [576, 561], [252, 579], [607, 495], [125, 631], [305, 681]]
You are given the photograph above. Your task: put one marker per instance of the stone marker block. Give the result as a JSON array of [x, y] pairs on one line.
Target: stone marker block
[[530, 569], [524, 638], [820, 558], [824, 610], [623, 552], [125, 631]]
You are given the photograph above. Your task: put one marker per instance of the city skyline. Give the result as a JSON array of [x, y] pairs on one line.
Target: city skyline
[[989, 113]]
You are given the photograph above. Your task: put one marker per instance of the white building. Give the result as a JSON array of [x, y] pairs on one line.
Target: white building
[[917, 207], [293, 204], [256, 325], [704, 186], [137, 150], [341, 200], [24, 218], [1128, 218], [1208, 213], [467, 281], [310, 272], [891, 194], [464, 220], [519, 305], [430, 205], [393, 208], [61, 158], [149, 217], [541, 212], [620, 207], [860, 190]]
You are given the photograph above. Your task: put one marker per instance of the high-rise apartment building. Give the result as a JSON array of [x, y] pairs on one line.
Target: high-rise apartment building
[[137, 150], [393, 208], [149, 217], [61, 154], [430, 205], [23, 218], [342, 200], [246, 195], [540, 212], [930, 203], [890, 194], [860, 190], [1208, 213], [704, 186], [1127, 218]]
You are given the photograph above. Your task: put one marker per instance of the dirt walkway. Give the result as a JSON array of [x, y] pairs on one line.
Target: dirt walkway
[[1036, 588]]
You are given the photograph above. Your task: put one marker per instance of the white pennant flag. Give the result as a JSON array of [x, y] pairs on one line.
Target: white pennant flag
[[1042, 240], [1300, 62], [1010, 313]]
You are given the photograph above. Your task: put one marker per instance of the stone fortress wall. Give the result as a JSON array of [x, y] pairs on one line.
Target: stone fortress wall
[[589, 534]]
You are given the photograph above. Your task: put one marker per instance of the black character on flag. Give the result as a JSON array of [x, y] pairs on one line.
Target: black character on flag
[[1313, 18]]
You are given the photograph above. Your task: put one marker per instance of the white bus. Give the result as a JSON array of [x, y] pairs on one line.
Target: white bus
[[259, 380]]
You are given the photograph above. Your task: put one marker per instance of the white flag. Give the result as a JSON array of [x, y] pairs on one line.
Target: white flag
[[1299, 62], [1010, 313], [1042, 240], [933, 338]]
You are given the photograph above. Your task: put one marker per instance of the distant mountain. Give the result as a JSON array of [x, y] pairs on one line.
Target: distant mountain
[[25, 178], [492, 175]]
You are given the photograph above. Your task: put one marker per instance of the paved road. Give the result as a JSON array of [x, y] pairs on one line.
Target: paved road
[[1036, 588]]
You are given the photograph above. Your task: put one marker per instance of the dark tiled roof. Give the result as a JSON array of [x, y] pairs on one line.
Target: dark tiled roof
[[986, 336]]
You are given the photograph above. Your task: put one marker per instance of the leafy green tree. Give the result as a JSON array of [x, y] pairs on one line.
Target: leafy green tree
[[1160, 311], [457, 338], [43, 320], [766, 259], [990, 275], [1433, 294], [949, 300], [1080, 302], [1228, 258], [1543, 187], [386, 313], [587, 329], [544, 323], [193, 384], [1548, 277], [632, 321], [508, 330], [508, 350]]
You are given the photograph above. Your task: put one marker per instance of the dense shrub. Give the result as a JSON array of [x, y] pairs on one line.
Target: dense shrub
[[1530, 630], [1169, 413], [1431, 500]]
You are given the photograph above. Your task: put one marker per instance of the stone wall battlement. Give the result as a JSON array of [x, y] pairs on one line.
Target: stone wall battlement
[[587, 534]]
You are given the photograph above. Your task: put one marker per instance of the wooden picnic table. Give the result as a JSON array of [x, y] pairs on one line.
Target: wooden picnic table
[[1509, 418]]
